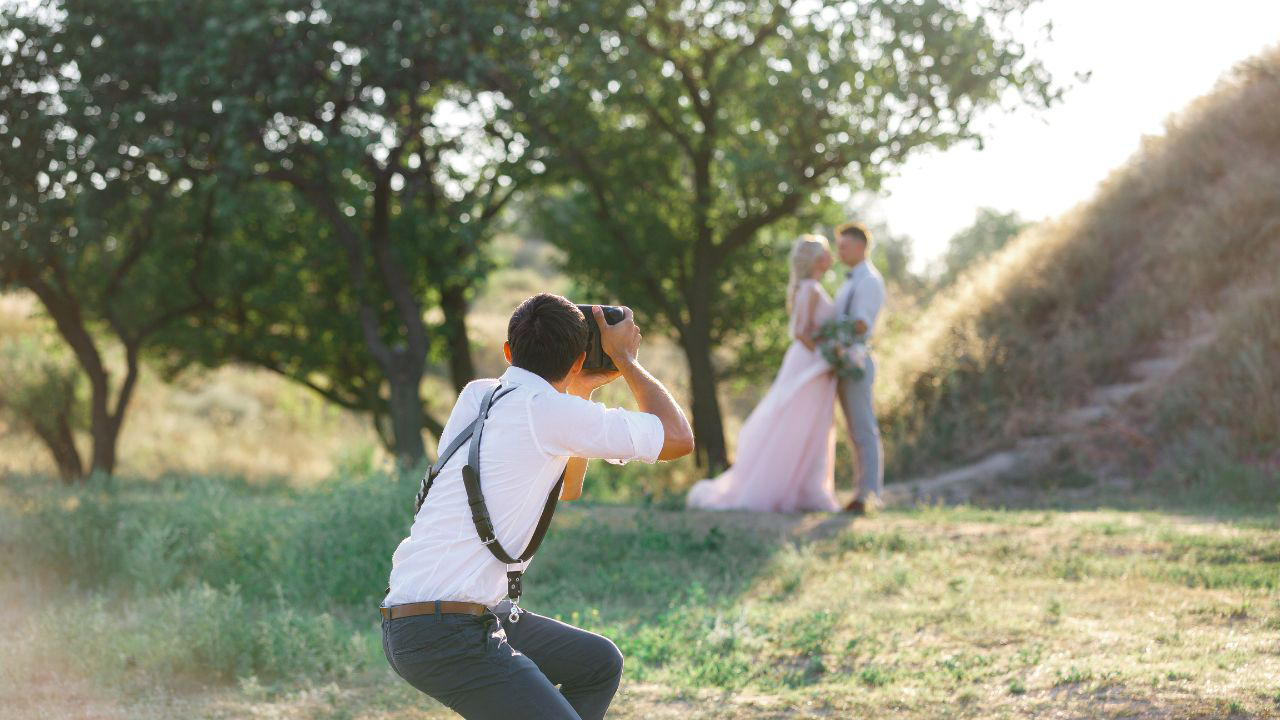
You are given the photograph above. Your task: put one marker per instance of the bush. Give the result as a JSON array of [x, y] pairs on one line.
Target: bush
[[331, 545], [41, 394], [200, 633]]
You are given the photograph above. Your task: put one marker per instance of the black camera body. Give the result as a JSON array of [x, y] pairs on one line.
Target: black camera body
[[597, 359]]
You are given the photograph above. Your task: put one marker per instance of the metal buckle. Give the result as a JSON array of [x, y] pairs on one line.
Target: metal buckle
[[514, 615]]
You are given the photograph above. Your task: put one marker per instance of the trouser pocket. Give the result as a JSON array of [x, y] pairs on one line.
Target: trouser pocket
[[442, 658], [386, 645]]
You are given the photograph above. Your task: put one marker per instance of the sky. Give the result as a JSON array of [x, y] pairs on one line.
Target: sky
[[1148, 59]]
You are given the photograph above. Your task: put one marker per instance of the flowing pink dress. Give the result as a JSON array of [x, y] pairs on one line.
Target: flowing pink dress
[[786, 447]]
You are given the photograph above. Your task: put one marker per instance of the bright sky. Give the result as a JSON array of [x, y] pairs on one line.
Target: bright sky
[[1149, 58]]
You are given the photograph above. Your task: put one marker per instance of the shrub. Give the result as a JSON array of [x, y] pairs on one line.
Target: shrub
[[331, 545], [200, 633], [41, 394]]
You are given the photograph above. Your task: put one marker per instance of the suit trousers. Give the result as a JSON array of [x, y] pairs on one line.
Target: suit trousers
[[864, 432], [484, 667]]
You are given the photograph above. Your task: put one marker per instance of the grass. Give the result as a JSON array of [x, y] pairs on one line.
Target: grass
[[217, 598]]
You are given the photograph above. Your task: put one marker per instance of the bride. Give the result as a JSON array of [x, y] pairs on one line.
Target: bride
[[786, 447]]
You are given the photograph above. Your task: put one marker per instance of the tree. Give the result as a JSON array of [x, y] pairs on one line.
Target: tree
[[364, 110], [683, 130], [394, 164], [94, 220], [990, 231]]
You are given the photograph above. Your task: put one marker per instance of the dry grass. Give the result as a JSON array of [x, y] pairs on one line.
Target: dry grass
[[231, 421], [1191, 219]]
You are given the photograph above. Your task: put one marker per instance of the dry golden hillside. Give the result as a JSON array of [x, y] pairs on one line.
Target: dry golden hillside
[[1181, 243]]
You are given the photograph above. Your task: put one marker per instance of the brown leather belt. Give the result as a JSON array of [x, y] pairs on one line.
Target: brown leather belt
[[444, 607]]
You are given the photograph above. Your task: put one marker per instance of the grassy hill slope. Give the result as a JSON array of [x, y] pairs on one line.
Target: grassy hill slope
[[1189, 228]]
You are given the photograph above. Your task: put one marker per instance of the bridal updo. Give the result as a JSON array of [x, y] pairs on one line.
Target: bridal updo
[[806, 251]]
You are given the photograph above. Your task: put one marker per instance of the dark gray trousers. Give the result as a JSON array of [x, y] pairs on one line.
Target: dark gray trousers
[[484, 667]]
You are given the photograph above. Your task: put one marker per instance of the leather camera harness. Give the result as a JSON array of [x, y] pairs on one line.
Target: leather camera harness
[[475, 498]]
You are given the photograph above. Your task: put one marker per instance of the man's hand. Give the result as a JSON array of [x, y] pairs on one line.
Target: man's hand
[[621, 342], [586, 382], [860, 327]]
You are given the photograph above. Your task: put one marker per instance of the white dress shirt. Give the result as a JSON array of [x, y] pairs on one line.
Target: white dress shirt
[[528, 438], [862, 295]]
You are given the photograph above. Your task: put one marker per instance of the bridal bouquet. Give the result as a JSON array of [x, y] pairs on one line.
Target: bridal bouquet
[[843, 348]]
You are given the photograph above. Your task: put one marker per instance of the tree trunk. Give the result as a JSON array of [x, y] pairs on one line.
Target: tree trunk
[[104, 445], [453, 302], [695, 338], [104, 428], [107, 424], [406, 416], [60, 441], [707, 425], [66, 315]]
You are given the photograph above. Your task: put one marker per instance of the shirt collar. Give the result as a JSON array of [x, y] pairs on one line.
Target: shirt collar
[[855, 269], [519, 376]]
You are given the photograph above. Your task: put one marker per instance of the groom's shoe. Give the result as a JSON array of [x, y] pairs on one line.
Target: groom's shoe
[[856, 507]]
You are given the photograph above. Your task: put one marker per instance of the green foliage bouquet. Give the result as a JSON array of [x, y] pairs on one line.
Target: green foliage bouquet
[[843, 347]]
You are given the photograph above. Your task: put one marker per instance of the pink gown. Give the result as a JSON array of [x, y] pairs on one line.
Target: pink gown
[[786, 447]]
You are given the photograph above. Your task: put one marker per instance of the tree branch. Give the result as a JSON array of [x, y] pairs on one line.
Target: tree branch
[[393, 274], [320, 197], [597, 184]]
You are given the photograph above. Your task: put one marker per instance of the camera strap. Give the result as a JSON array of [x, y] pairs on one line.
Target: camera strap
[[475, 498], [480, 511], [429, 478]]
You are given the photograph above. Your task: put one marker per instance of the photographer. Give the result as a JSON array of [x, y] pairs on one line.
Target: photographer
[[446, 628]]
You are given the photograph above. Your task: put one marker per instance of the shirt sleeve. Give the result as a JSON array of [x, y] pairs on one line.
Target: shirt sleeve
[[568, 426]]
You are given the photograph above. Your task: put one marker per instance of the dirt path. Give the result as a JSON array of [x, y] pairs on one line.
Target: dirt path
[[1104, 412]]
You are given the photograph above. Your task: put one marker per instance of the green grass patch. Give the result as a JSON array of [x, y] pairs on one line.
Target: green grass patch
[[208, 580]]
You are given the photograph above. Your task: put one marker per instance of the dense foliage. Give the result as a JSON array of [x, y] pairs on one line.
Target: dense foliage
[[295, 189], [684, 130], [327, 174]]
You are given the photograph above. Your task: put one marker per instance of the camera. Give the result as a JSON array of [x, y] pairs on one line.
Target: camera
[[597, 359]]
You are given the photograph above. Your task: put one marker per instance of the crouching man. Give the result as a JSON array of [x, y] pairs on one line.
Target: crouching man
[[446, 627]]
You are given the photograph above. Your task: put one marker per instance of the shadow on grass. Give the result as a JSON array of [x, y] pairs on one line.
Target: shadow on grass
[[667, 586]]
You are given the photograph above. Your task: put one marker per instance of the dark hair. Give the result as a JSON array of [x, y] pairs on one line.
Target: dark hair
[[855, 229], [547, 333]]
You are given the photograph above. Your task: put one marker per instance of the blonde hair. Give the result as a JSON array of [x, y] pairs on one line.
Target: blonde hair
[[805, 253]]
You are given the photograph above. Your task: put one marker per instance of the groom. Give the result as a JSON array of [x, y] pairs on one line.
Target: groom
[[860, 299]]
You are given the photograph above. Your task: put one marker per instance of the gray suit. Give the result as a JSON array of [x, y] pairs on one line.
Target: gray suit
[[860, 298]]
